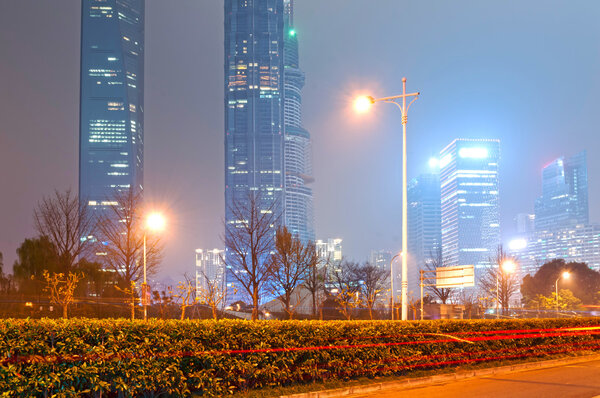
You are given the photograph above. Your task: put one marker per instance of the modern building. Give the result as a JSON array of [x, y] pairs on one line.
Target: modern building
[[299, 214], [564, 199], [111, 132], [330, 250], [469, 202], [525, 224], [254, 110], [424, 225], [579, 243], [381, 259], [210, 270]]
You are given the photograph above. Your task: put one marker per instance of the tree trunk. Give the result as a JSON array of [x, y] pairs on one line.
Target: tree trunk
[[255, 304], [65, 312], [182, 313]]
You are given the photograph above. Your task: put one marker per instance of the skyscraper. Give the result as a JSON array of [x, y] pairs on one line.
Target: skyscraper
[[469, 202], [299, 217], [111, 134], [564, 200], [424, 224]]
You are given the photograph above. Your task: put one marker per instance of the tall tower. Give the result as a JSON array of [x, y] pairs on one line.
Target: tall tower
[[111, 132], [564, 200], [469, 202], [299, 217], [254, 128], [424, 225]]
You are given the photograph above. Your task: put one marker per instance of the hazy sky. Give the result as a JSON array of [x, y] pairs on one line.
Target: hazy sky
[[525, 72]]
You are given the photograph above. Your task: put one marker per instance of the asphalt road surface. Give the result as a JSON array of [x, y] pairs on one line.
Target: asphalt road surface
[[577, 380]]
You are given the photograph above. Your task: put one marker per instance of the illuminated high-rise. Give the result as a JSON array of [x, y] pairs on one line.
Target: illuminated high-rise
[[564, 200], [111, 142], [469, 202], [299, 217], [424, 225]]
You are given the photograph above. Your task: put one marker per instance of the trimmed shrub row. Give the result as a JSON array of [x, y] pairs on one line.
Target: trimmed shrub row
[[86, 357]]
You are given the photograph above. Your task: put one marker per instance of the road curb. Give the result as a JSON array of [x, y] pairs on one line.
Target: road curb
[[419, 381]]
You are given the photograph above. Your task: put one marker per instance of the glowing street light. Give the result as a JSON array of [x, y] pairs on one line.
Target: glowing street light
[[507, 267], [361, 105], [564, 275], [154, 222]]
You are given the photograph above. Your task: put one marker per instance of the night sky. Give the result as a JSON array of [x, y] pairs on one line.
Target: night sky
[[525, 72]]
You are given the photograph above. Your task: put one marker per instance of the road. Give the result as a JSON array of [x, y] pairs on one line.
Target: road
[[576, 380]]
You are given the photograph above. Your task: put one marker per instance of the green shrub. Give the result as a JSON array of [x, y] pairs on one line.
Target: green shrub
[[173, 358]]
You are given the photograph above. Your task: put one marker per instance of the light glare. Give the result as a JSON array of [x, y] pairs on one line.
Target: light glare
[[509, 266], [155, 222], [566, 275], [362, 104]]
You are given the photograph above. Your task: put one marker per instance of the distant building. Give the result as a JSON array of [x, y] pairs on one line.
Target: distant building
[[380, 258], [329, 250], [469, 202], [209, 266], [564, 200], [111, 131], [424, 225], [580, 243], [525, 224]]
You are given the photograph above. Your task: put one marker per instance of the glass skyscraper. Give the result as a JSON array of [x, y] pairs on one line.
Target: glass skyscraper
[[424, 225], [111, 143], [469, 202], [299, 217], [267, 151], [564, 200]]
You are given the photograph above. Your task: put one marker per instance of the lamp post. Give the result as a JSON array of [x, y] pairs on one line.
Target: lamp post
[[154, 222], [507, 266], [564, 275], [362, 104], [392, 281]]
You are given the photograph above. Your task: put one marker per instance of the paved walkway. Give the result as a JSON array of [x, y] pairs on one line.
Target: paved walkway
[[572, 380]]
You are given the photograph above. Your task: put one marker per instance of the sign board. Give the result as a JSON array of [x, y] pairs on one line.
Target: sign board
[[459, 276]]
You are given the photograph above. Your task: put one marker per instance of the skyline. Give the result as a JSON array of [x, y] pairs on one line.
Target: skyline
[[347, 155]]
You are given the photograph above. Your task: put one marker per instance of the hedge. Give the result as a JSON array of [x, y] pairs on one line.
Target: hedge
[[86, 357]]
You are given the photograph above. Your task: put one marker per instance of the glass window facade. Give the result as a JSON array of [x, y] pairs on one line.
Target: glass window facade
[[469, 202], [111, 141]]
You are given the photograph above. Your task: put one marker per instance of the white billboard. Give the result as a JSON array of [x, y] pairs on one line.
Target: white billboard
[[459, 276]]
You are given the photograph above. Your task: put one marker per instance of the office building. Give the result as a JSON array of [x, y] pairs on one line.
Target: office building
[[469, 202], [424, 225], [564, 199], [299, 217], [210, 270], [111, 142]]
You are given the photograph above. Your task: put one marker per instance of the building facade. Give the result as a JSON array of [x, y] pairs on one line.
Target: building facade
[[111, 133], [254, 127], [579, 243], [299, 214], [564, 199], [210, 270], [424, 225], [470, 217]]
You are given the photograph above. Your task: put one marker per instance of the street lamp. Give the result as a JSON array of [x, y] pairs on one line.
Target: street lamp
[[507, 266], [564, 275], [154, 222], [362, 104]]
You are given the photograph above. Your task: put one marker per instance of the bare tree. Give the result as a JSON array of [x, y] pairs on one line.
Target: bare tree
[[67, 223], [121, 238], [289, 267], [346, 288], [130, 293], [60, 288], [315, 282], [436, 261], [372, 283], [507, 283], [163, 299], [186, 293], [249, 240], [212, 292]]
